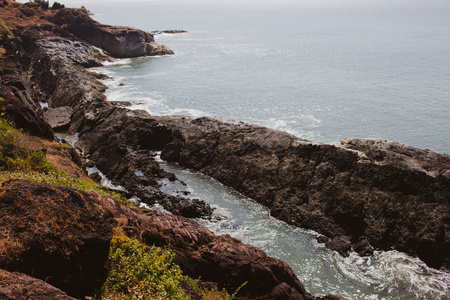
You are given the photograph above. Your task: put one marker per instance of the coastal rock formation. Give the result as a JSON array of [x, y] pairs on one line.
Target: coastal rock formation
[[16, 100], [56, 234], [119, 41], [61, 235], [367, 191], [18, 286], [126, 156]]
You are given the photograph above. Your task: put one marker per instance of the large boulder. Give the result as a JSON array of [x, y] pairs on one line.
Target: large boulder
[[57, 234]]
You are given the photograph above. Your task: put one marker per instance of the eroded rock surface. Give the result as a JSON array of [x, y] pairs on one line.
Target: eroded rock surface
[[18, 286], [61, 235], [119, 41], [16, 100], [387, 194]]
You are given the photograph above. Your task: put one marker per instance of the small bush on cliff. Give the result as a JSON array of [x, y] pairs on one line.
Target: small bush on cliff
[[141, 272], [14, 157]]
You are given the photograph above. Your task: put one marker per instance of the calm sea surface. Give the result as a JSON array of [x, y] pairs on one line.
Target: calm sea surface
[[378, 69], [323, 74]]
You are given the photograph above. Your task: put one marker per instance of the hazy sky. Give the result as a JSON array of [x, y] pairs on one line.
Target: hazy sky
[[297, 3]]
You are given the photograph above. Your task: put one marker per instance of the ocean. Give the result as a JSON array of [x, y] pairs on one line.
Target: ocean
[[321, 73], [321, 70]]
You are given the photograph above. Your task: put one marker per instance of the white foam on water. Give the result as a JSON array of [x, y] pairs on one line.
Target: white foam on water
[[385, 275], [105, 181]]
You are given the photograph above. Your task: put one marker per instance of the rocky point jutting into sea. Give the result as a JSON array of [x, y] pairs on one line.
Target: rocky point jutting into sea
[[365, 194]]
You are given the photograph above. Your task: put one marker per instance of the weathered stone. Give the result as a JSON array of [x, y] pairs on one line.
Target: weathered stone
[[16, 100], [56, 234], [394, 195], [340, 244], [18, 286], [59, 118], [62, 235], [119, 41]]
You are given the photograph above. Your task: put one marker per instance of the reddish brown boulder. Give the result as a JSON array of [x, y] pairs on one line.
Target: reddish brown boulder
[[56, 234], [18, 286]]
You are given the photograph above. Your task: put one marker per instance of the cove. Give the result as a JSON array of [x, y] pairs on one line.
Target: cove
[[385, 275]]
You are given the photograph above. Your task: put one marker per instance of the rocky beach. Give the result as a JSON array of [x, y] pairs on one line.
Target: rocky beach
[[365, 195]]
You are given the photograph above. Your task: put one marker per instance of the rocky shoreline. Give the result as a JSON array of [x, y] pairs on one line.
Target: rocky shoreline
[[364, 194], [61, 235]]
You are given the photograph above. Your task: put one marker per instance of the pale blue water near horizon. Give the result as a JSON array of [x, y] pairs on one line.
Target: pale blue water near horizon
[[323, 73]]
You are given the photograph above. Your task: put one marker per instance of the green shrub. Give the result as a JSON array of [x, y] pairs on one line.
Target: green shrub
[[14, 157], [141, 272]]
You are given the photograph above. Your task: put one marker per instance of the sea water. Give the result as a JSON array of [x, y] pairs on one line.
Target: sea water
[[322, 70]]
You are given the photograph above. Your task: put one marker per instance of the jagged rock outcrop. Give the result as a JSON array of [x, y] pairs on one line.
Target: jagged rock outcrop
[[18, 286], [61, 235], [391, 195], [16, 100], [119, 41], [126, 156]]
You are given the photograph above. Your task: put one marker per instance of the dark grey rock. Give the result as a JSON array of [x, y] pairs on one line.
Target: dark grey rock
[[59, 118]]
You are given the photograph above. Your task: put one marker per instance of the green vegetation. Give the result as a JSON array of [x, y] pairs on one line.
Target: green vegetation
[[14, 157], [141, 272], [18, 162]]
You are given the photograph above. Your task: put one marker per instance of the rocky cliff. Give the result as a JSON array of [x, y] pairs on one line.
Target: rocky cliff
[[363, 194], [61, 235]]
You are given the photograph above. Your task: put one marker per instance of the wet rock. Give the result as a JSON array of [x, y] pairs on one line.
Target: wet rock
[[363, 247], [173, 31], [18, 286], [394, 195], [340, 244], [322, 239]]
